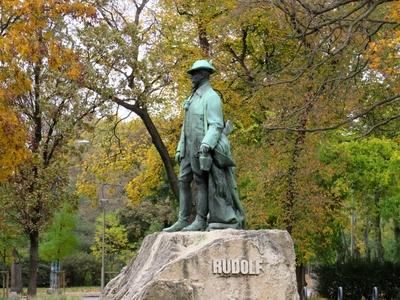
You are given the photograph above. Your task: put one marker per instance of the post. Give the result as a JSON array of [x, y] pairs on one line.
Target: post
[[8, 284], [102, 247], [375, 293], [16, 278], [353, 220], [102, 201], [16, 273], [305, 293], [340, 293]]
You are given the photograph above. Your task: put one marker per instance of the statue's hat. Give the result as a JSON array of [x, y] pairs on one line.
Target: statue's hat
[[202, 64]]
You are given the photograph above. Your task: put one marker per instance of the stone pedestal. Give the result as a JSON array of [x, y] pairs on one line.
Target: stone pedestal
[[221, 264]]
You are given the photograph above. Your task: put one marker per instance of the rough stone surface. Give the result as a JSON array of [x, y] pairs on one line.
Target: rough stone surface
[[174, 266]]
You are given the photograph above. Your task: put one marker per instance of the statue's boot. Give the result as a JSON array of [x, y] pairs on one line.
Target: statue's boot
[[200, 222], [185, 207]]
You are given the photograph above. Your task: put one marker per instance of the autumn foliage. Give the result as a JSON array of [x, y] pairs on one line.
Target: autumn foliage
[[312, 88]]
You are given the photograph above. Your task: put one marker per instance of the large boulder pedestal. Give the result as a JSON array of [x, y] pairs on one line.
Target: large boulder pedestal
[[222, 264]]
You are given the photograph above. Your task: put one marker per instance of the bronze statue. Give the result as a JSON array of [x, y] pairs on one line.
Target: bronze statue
[[204, 155]]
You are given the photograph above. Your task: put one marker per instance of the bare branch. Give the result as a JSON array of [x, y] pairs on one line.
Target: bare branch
[[336, 126], [333, 5], [132, 107], [381, 123], [4, 26], [139, 9]]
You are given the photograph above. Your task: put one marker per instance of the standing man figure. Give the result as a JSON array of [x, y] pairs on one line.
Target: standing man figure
[[203, 153]]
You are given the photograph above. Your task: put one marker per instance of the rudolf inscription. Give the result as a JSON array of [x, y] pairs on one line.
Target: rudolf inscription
[[236, 266]]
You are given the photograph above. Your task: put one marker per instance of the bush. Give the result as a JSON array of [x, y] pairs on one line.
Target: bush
[[43, 274], [358, 277], [82, 269]]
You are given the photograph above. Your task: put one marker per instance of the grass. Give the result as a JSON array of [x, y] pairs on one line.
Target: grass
[[69, 293], [78, 289], [57, 297]]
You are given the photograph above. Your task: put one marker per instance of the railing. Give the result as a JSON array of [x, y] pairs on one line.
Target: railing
[[375, 293], [57, 282]]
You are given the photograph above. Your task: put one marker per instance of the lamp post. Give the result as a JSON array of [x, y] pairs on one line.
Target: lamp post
[[102, 201], [103, 206]]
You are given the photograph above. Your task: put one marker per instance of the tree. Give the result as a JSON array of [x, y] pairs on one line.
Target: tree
[[10, 240], [60, 240], [116, 245], [132, 70], [121, 153], [37, 62], [12, 131], [367, 171], [301, 69]]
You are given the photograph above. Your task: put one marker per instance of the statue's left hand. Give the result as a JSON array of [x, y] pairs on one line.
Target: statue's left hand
[[178, 157], [204, 148]]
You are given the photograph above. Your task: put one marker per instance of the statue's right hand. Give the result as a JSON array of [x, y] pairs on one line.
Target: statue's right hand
[[178, 157]]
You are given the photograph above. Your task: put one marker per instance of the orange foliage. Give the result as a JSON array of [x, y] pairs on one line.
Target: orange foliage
[[29, 39], [383, 53], [12, 137]]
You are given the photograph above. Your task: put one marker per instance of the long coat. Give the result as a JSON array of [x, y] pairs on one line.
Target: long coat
[[204, 124]]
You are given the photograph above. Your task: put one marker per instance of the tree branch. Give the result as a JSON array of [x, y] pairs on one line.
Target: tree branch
[[381, 123], [348, 120]]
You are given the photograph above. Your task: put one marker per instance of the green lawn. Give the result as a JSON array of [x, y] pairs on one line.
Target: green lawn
[[69, 293]]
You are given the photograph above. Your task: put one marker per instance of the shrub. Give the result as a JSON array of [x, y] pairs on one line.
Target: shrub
[[82, 269], [43, 274], [358, 277]]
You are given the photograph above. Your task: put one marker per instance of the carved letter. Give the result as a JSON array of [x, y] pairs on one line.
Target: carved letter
[[258, 266], [252, 267], [217, 266], [235, 266], [226, 266], [244, 267]]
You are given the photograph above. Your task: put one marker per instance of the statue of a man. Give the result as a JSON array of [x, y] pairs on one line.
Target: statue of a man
[[204, 155]]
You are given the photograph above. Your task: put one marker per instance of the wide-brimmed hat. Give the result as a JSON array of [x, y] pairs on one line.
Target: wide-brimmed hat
[[202, 64]]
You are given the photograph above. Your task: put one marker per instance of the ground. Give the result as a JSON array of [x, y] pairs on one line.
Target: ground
[[70, 293]]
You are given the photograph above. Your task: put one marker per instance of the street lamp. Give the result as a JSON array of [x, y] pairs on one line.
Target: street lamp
[[103, 206], [102, 202]]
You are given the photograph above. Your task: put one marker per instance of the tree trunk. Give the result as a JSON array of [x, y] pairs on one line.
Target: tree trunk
[[203, 39], [155, 137], [33, 262], [378, 232], [162, 150], [396, 235], [301, 279], [378, 238], [366, 243], [291, 192], [342, 253]]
